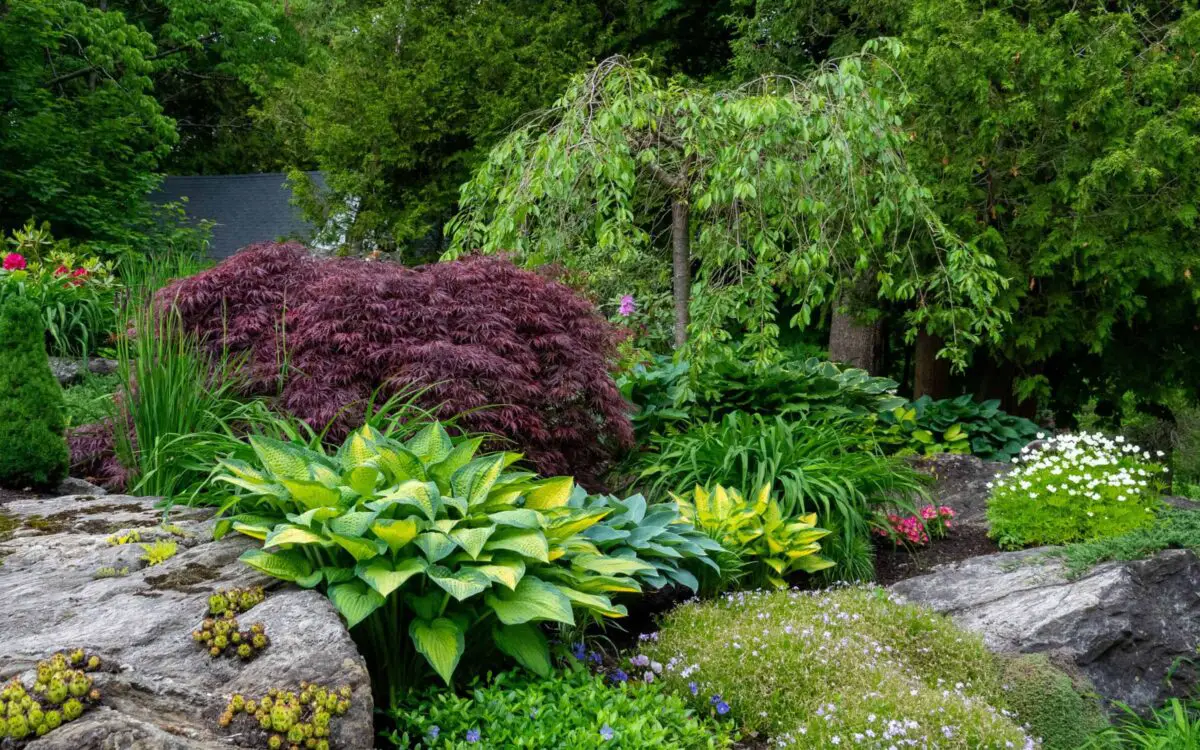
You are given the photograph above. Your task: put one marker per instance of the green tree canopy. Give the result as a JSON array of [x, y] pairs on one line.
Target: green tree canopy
[[772, 194]]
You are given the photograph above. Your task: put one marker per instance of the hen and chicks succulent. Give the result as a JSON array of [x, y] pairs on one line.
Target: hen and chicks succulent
[[289, 720], [61, 693], [221, 634], [234, 600]]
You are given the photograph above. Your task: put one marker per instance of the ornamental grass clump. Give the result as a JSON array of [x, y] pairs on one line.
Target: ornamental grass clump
[[849, 667], [1075, 488]]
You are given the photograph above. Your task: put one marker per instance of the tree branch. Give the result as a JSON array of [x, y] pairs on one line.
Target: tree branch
[[165, 53]]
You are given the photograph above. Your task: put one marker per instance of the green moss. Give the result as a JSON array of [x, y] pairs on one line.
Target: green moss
[[1172, 529], [31, 401], [1063, 709]]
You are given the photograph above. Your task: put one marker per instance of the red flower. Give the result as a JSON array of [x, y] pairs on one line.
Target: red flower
[[60, 270], [80, 272], [14, 262]]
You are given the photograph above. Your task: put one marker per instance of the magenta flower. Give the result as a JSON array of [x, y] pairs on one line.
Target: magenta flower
[[16, 262], [627, 306]]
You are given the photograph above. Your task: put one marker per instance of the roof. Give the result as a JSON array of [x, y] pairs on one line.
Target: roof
[[247, 208]]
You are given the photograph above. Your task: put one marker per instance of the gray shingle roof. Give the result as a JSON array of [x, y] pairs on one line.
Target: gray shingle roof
[[247, 208]]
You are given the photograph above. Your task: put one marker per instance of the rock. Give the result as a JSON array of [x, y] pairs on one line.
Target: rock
[[69, 371], [961, 484], [160, 691], [76, 486], [1128, 626]]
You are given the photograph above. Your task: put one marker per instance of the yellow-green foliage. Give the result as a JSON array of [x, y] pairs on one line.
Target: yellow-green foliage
[[290, 719], [129, 537], [222, 634], [1064, 712], [849, 667], [159, 552], [60, 694], [234, 601], [110, 572], [175, 529]]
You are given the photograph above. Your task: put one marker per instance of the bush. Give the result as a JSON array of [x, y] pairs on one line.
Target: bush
[[847, 667], [961, 425], [31, 402], [1064, 711], [514, 354], [572, 709], [1074, 488]]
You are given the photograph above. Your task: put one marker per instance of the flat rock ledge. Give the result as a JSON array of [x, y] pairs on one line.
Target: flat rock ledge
[[1132, 627], [160, 691]]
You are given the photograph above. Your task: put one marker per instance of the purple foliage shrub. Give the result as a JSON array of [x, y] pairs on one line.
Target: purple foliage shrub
[[515, 354]]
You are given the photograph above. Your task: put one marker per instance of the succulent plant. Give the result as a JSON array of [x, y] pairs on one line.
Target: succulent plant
[[159, 552], [129, 537], [110, 572], [234, 600], [220, 634], [61, 692], [287, 719]]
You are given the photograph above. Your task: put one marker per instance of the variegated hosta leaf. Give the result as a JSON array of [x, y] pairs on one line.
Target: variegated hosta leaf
[[287, 565], [520, 518], [252, 530], [287, 534], [528, 542], [441, 642], [363, 479], [399, 464], [361, 549], [605, 565], [526, 644], [359, 448], [312, 494], [601, 605], [507, 570], [533, 600], [355, 600], [354, 523], [574, 523], [396, 533], [475, 480], [313, 515], [421, 496], [550, 493], [386, 576], [285, 460], [245, 472], [461, 584], [432, 444], [256, 488], [442, 471], [435, 545], [472, 540]]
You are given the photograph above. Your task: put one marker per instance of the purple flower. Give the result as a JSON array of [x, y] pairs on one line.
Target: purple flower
[[641, 660], [578, 651], [722, 708], [619, 676], [472, 735], [627, 306], [434, 731], [606, 732], [715, 699], [693, 687], [594, 657]]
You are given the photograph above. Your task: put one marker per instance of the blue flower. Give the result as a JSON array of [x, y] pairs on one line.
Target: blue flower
[[715, 699], [578, 651], [434, 731], [606, 732], [533, 713], [619, 676], [472, 735], [693, 687], [594, 656], [722, 708]]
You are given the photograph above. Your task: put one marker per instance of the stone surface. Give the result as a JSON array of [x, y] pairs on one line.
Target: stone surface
[[69, 370], [160, 691], [961, 484], [1127, 625]]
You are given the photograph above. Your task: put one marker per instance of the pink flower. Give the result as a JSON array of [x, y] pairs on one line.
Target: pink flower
[[14, 262], [627, 306], [60, 270]]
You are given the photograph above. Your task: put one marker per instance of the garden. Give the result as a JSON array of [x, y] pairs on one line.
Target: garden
[[765, 377]]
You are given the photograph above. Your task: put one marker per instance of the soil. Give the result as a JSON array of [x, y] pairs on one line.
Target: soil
[[898, 563]]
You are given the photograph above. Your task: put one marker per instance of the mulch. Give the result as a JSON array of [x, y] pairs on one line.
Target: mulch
[[894, 564]]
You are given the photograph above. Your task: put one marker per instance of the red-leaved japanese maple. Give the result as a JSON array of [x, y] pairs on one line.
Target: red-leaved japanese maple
[[515, 354]]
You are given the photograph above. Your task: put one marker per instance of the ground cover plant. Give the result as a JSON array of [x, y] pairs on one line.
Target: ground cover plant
[[505, 350], [572, 708], [1170, 529], [34, 450], [1074, 488], [1063, 710], [90, 400], [432, 554], [846, 667]]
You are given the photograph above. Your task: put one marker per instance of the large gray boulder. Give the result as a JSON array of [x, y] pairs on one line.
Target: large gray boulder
[[160, 691], [1131, 627], [961, 483]]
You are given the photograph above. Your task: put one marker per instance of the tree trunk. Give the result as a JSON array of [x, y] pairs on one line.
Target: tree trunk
[[681, 261], [932, 375], [853, 343]]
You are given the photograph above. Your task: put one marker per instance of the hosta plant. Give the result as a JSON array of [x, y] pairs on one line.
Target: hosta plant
[[769, 544], [657, 534], [429, 551], [958, 425]]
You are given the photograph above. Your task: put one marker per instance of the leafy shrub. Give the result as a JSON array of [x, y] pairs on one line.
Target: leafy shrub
[[901, 433], [673, 395], [994, 434], [75, 294], [658, 535], [767, 544], [90, 400], [1064, 711], [572, 709], [423, 540], [476, 333], [1073, 488], [847, 667], [822, 469], [31, 401]]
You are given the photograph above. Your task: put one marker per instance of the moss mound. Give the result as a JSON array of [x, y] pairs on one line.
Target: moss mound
[[1060, 707]]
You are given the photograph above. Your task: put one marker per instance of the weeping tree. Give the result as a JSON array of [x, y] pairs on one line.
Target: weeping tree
[[736, 209]]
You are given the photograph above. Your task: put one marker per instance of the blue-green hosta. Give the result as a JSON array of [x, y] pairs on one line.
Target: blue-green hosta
[[657, 534], [426, 541]]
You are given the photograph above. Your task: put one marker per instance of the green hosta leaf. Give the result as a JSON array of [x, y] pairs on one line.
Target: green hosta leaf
[[683, 578], [287, 534], [461, 584], [603, 533], [472, 540], [313, 515], [245, 472], [361, 549], [445, 525], [441, 642], [400, 464], [358, 449], [457, 503], [353, 524], [287, 565], [521, 518], [593, 584], [385, 576], [435, 545], [355, 600], [634, 507], [311, 494], [336, 575], [258, 488], [423, 496], [550, 493], [284, 460], [363, 479], [811, 563], [526, 644], [252, 530], [396, 533], [532, 600], [432, 444], [601, 605], [443, 471], [577, 521], [528, 542], [610, 566], [506, 571], [475, 480]]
